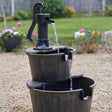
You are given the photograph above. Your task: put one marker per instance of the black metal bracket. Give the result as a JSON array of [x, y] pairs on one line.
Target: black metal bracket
[[88, 96]]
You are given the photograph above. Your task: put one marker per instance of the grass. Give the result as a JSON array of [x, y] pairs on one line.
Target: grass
[[67, 26], [65, 29]]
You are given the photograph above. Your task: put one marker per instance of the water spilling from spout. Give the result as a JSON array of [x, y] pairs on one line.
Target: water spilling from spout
[[69, 61], [71, 85], [69, 64], [43, 87], [54, 27]]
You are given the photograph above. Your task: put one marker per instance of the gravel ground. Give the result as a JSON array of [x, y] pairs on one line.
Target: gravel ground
[[15, 71]]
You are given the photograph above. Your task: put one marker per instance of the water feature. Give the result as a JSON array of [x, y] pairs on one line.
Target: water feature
[[52, 87], [57, 42]]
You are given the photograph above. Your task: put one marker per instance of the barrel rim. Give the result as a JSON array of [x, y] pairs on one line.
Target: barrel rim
[[57, 92], [28, 52]]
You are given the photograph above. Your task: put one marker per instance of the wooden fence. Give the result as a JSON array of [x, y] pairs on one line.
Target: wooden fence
[[84, 5], [79, 5], [19, 4]]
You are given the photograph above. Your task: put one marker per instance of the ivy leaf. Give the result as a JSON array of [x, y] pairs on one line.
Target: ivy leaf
[[5, 37], [11, 35]]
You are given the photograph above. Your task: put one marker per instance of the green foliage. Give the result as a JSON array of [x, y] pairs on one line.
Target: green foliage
[[17, 17], [69, 13], [30, 14], [55, 7], [20, 15], [108, 10], [1, 43], [7, 35]]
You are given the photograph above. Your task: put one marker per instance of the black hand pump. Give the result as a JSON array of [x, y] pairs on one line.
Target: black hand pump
[[42, 20]]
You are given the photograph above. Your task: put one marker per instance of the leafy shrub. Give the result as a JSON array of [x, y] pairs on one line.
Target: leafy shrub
[[17, 17], [69, 13], [108, 10], [30, 14], [20, 15], [55, 7]]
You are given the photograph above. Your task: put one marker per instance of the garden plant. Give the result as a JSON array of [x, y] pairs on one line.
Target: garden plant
[[88, 42], [11, 38]]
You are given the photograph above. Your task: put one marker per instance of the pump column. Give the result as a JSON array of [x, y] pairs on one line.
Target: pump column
[[43, 35], [43, 21]]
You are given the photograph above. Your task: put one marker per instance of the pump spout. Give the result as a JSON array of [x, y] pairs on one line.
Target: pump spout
[[49, 21]]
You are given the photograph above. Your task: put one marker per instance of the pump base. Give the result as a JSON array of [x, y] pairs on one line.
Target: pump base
[[42, 48]]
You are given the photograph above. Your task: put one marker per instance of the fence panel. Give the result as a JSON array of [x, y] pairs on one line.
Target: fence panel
[[19, 4], [79, 5], [83, 5]]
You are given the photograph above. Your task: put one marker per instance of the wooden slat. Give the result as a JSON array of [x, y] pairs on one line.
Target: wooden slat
[[79, 5]]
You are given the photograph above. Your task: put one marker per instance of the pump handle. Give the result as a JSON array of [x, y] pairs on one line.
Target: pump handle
[[37, 7], [36, 10]]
